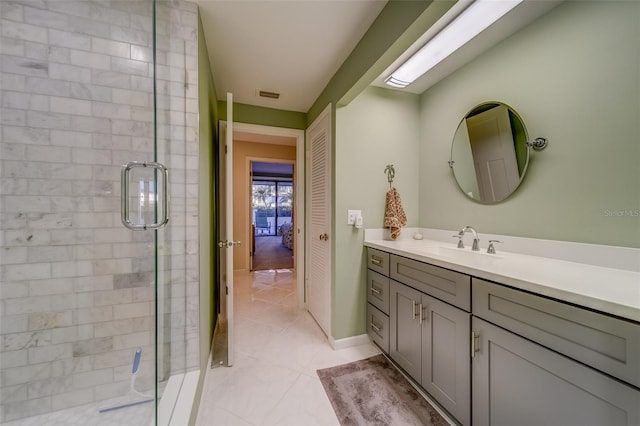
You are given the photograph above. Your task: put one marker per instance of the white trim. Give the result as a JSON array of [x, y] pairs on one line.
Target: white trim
[[349, 342]]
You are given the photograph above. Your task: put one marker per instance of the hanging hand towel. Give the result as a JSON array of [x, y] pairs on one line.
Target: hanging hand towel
[[394, 216]]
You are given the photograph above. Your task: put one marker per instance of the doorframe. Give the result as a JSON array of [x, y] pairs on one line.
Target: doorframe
[[247, 205], [299, 190]]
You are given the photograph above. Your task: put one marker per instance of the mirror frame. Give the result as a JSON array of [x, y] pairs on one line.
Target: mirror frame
[[520, 145]]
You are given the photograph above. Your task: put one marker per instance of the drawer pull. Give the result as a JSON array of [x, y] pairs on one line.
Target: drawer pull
[[413, 308], [375, 290], [474, 348], [422, 316], [375, 328], [376, 260]]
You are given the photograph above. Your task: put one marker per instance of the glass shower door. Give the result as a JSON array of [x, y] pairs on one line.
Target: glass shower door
[[176, 144], [96, 318]]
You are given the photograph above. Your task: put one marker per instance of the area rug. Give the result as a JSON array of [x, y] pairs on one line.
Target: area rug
[[271, 254], [373, 392]]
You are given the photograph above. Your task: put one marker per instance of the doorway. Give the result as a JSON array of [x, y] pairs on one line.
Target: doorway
[[272, 215], [253, 142], [240, 143]]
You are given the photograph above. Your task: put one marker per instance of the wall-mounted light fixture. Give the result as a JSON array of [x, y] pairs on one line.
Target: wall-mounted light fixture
[[471, 22]]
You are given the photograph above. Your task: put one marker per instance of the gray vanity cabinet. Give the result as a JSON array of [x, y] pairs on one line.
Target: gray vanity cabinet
[[540, 361], [491, 354], [405, 338], [601, 341], [518, 382], [429, 339], [378, 298]]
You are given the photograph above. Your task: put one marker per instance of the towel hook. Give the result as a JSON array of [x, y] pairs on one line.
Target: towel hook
[[391, 172]]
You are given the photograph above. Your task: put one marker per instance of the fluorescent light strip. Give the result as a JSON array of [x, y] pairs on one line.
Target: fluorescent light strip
[[475, 19]]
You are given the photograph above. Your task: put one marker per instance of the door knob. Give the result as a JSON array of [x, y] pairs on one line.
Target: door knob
[[324, 237], [228, 244]]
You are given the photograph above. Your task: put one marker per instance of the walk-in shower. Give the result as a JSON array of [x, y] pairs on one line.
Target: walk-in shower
[[87, 87]]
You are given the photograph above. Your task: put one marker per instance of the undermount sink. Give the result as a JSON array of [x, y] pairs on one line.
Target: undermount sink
[[457, 253]]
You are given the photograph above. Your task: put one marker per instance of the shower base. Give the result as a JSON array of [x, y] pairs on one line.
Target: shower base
[[83, 415]]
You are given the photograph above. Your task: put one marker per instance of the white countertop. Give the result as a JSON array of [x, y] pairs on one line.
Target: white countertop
[[605, 289]]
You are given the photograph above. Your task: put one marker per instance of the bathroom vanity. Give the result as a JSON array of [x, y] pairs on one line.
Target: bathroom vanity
[[507, 338]]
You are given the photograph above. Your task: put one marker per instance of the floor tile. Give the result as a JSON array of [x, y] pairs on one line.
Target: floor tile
[[306, 403], [278, 349]]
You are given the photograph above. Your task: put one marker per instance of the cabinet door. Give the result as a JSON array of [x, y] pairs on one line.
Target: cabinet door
[[517, 382], [405, 334], [603, 342], [446, 359]]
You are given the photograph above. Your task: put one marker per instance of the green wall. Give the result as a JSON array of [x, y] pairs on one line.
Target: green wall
[[577, 86], [207, 122], [250, 114], [399, 24], [379, 127]]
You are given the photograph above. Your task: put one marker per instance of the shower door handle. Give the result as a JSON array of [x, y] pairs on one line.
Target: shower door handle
[[164, 195]]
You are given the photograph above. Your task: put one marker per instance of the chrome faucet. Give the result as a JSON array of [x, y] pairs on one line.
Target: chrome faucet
[[476, 240]]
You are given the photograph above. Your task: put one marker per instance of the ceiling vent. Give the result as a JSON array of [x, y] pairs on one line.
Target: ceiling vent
[[265, 94]]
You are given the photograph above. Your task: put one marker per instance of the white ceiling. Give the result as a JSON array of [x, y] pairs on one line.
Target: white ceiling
[[294, 47], [291, 47]]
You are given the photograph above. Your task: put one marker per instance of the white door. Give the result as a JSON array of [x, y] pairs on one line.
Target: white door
[[318, 257], [494, 154], [227, 243]]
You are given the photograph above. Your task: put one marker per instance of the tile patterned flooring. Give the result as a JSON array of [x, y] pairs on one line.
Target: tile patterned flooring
[[278, 349]]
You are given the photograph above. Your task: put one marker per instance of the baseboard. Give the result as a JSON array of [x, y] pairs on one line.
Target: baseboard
[[349, 342]]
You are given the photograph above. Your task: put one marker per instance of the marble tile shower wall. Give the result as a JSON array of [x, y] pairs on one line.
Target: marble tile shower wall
[[76, 287]]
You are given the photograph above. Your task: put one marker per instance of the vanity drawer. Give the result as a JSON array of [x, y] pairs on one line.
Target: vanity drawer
[[603, 342], [378, 327], [378, 291], [449, 286], [378, 261]]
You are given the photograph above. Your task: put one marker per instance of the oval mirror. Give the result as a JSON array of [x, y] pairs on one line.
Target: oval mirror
[[489, 152]]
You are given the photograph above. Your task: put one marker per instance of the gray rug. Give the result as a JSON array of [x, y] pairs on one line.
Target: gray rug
[[373, 392]]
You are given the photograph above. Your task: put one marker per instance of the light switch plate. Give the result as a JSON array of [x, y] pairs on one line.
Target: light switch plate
[[352, 215]]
